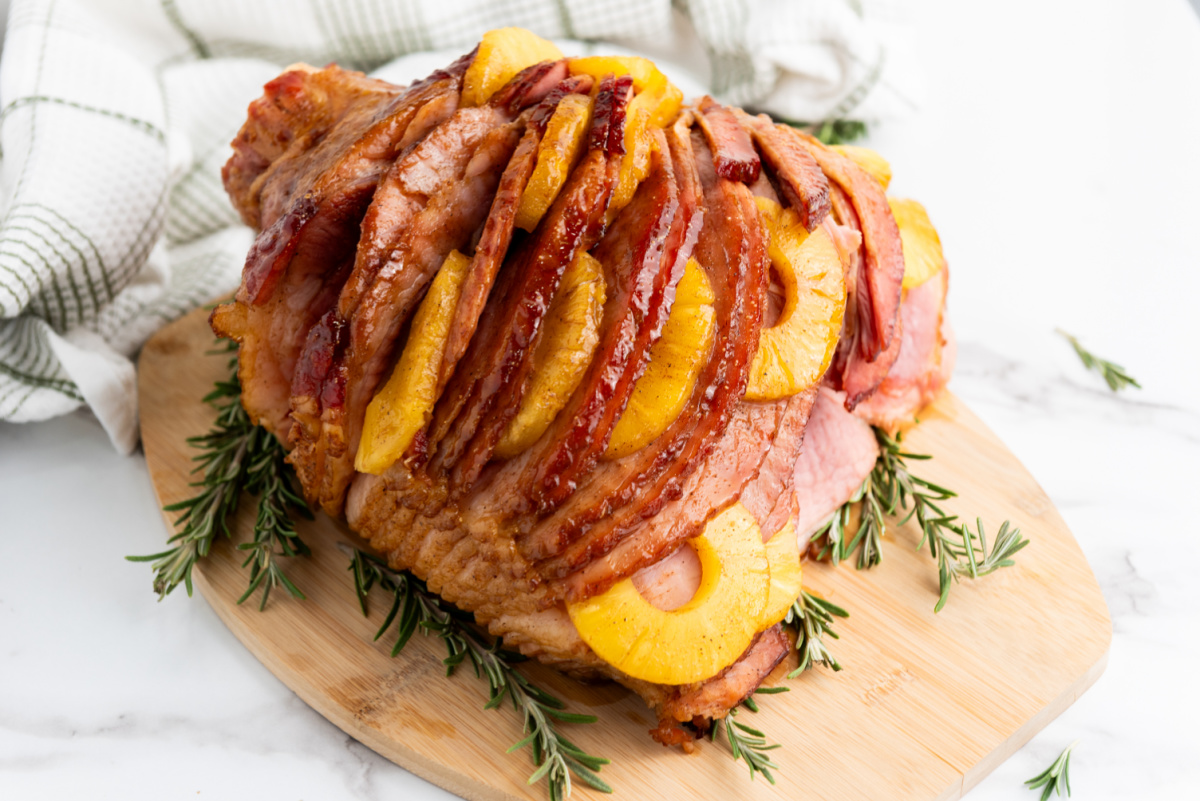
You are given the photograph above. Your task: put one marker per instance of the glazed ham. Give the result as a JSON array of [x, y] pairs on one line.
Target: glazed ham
[[361, 189]]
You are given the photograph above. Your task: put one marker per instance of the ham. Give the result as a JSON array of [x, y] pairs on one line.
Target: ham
[[361, 189], [839, 453], [925, 361]]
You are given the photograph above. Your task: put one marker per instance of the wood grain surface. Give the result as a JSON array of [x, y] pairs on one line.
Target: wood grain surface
[[924, 709]]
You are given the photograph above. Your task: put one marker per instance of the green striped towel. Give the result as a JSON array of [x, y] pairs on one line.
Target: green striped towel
[[116, 115]]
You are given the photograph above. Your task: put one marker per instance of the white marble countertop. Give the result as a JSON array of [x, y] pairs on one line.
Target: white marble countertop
[[1057, 154]]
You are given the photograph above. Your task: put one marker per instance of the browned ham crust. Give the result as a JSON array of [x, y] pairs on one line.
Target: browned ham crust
[[361, 189]]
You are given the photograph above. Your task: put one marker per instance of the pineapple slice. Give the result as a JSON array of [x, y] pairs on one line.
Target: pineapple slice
[[656, 102], [503, 53], [700, 638], [404, 405], [675, 361], [794, 353], [572, 331], [643, 71], [871, 162], [783, 556], [919, 239], [556, 155]]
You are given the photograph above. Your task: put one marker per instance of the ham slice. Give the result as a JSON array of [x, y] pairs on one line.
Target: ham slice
[[839, 453], [305, 166], [472, 417], [925, 361], [870, 343]]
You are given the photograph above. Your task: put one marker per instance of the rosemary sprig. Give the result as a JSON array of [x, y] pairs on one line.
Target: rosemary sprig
[[747, 744], [813, 619], [235, 455], [840, 132], [958, 550], [270, 477], [1114, 374], [752, 705], [415, 606], [830, 132], [868, 538], [1055, 778]]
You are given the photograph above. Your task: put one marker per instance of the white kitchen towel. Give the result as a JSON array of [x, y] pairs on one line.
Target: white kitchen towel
[[116, 115]]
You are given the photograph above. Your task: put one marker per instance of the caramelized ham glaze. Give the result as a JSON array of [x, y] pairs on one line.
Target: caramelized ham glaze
[[430, 202], [305, 167], [866, 354], [361, 189], [471, 417]]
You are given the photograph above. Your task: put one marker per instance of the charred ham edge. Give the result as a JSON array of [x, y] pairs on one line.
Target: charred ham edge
[[700, 704], [498, 230], [432, 199], [295, 112], [733, 154], [877, 285], [353, 153], [287, 287], [797, 174], [732, 250], [485, 394]]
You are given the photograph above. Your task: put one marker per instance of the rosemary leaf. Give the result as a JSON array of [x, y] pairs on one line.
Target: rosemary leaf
[[1055, 778], [414, 607], [958, 550], [813, 619], [235, 456], [747, 744], [1114, 374]]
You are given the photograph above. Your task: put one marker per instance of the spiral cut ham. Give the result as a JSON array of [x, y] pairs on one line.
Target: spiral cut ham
[[361, 189]]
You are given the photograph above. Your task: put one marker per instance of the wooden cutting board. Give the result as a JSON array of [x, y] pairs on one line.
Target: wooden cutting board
[[924, 709]]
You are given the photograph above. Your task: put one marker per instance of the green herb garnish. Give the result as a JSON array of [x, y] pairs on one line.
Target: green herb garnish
[[747, 744], [415, 606], [1055, 778], [1114, 374], [235, 456], [813, 619], [892, 490]]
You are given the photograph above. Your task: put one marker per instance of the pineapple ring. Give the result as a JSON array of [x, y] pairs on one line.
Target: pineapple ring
[[783, 556], [675, 362], [656, 102], [704, 636], [503, 53], [869, 161], [794, 353], [922, 247], [405, 404], [556, 155], [572, 331]]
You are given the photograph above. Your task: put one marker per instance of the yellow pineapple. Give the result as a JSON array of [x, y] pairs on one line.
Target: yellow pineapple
[[870, 161], [783, 556], [922, 247], [404, 405], [794, 353], [571, 332], [700, 638], [675, 361], [556, 155], [656, 102], [503, 53]]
